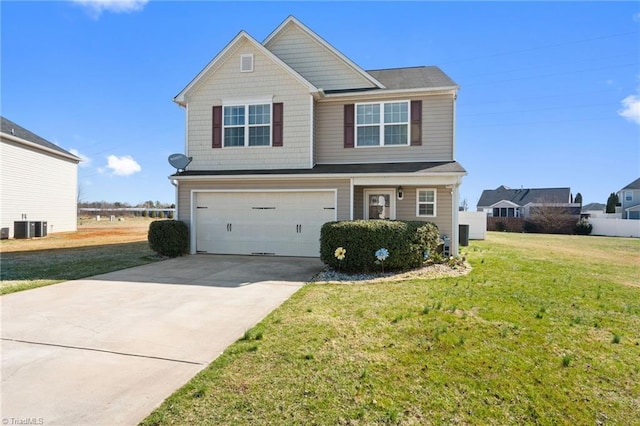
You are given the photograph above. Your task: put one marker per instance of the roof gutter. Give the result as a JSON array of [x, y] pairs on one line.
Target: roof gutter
[[394, 92]]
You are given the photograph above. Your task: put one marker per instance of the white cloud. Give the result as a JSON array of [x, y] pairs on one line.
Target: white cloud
[[84, 160], [96, 7], [123, 166], [631, 108]]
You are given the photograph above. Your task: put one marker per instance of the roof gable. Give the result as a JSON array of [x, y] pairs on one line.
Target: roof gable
[[313, 57], [633, 185], [18, 133], [221, 57], [524, 196]]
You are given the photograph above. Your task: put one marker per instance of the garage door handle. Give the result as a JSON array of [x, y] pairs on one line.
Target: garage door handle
[[229, 227], [299, 229]]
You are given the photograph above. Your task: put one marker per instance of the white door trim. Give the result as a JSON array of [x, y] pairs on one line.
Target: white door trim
[[386, 191]]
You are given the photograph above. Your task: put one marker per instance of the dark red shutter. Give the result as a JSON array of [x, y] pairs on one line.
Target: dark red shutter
[[349, 118], [416, 123], [216, 128], [277, 124]]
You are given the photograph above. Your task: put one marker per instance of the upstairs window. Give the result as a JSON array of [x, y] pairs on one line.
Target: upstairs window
[[382, 124], [247, 125], [628, 196]]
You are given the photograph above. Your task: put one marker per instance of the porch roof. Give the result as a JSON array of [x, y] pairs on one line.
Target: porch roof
[[442, 167]]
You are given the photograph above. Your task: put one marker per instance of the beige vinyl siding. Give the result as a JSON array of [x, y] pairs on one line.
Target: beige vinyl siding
[[267, 81], [314, 61], [43, 186], [406, 208], [437, 135], [186, 186]]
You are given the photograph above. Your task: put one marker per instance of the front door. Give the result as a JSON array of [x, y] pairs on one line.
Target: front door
[[379, 204]]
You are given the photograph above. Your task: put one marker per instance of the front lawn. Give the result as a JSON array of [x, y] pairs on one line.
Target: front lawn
[[31, 269], [544, 330]]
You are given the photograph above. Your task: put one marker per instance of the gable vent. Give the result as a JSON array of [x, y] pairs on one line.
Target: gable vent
[[246, 63]]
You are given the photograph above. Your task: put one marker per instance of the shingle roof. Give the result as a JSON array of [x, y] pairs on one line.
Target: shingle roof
[[593, 207], [413, 78], [347, 169], [10, 128], [633, 185], [524, 196]]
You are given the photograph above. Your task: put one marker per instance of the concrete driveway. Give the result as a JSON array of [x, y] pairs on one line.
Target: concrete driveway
[[107, 350]]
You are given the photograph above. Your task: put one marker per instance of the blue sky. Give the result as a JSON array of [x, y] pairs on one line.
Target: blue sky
[[550, 91]]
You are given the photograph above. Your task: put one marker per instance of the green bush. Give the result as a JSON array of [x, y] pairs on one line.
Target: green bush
[[407, 243], [583, 227], [168, 237]]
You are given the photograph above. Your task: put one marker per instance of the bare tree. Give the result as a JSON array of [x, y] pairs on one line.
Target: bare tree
[[552, 218]]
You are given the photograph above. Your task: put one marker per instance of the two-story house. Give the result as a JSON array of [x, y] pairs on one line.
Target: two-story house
[[288, 134], [629, 199]]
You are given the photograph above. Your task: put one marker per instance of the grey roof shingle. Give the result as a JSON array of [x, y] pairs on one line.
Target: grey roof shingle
[[424, 77], [594, 207], [524, 196], [10, 128], [346, 169], [633, 185]]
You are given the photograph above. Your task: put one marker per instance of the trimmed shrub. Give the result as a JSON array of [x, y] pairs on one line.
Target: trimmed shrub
[[406, 242], [168, 237], [583, 227]]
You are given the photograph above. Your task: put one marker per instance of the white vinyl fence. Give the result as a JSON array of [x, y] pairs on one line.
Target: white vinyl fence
[[615, 227], [477, 222]]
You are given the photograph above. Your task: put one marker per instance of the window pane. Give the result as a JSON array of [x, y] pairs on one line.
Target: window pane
[[233, 115], [368, 136], [425, 209], [426, 197], [395, 134], [234, 136], [259, 114], [397, 112], [368, 114], [259, 136]]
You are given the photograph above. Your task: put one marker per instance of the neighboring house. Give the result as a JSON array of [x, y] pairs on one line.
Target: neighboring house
[[593, 210], [38, 181], [507, 202], [289, 134], [629, 199]]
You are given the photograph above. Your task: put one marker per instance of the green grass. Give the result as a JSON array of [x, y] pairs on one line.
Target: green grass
[[25, 270], [525, 338]]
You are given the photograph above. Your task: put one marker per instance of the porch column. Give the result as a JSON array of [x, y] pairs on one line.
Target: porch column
[[454, 214]]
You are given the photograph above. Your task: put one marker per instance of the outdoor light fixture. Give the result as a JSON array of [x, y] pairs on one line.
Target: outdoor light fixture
[[400, 193]]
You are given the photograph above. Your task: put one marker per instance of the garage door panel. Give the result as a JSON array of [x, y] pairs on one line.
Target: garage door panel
[[280, 223]]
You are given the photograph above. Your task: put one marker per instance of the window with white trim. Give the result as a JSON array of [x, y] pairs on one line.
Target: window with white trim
[[247, 125], [382, 124], [426, 202], [628, 196]]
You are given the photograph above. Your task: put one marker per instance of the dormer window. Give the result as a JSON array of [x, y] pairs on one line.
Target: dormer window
[[382, 124]]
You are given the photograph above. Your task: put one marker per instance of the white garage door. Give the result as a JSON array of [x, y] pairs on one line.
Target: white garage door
[[278, 223]]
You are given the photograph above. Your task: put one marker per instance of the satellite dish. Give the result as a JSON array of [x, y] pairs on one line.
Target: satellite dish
[[179, 161]]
